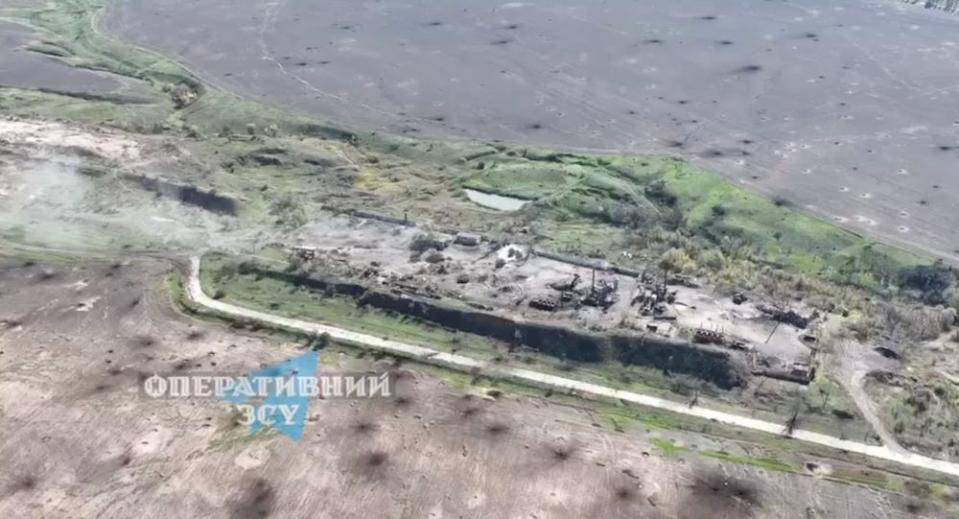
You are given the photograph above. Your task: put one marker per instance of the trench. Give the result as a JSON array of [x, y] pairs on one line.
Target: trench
[[186, 193], [722, 368]]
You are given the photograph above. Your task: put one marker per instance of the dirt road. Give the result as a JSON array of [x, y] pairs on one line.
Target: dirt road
[[460, 362]]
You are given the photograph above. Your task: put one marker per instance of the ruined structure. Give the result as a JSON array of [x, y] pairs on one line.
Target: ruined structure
[[573, 308]]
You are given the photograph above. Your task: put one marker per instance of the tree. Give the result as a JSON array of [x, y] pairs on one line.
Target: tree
[[320, 341]]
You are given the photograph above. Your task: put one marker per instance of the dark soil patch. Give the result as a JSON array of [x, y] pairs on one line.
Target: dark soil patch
[[257, 500]]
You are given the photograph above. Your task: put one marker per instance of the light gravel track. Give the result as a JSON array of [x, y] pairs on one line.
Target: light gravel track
[[461, 363]]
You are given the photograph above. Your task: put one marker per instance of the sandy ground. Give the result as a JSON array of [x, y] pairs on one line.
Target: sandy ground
[[80, 441], [840, 107]]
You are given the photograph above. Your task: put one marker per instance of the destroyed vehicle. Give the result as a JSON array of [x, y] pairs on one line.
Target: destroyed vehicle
[[787, 315], [603, 294], [544, 303], [467, 239], [704, 336], [567, 285]]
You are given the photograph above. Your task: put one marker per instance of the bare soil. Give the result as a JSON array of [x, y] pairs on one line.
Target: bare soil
[[837, 108], [80, 440], [23, 68]]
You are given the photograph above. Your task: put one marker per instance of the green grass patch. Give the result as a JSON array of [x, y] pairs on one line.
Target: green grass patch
[[760, 462], [633, 194], [667, 448], [224, 278], [867, 477]]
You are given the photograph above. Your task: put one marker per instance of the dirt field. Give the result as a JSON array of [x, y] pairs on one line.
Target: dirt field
[[81, 441], [836, 107], [146, 160], [87, 188], [24, 69]]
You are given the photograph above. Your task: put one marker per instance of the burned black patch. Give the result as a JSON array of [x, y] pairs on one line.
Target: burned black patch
[[375, 459], [47, 275], [143, 341], [562, 451], [469, 412], [504, 41], [724, 43], [257, 500], [625, 493], [534, 126], [715, 494], [372, 464], [749, 69], [125, 460], [496, 429], [363, 427], [24, 483], [915, 507]]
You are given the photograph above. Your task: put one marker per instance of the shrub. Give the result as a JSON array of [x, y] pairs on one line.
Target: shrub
[[676, 260], [713, 259], [931, 281], [289, 212], [920, 323]]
